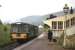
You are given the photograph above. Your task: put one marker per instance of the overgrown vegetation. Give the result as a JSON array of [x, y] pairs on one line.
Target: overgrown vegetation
[[70, 41], [61, 39], [4, 34]]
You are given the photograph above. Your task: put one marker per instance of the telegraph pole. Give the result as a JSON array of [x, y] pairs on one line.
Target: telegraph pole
[[0, 5]]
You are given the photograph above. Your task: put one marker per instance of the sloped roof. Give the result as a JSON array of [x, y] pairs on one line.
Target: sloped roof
[[60, 13], [60, 17]]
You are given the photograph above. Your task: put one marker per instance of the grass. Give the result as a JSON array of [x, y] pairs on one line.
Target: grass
[[4, 35]]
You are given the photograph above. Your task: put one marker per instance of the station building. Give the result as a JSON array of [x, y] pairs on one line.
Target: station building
[[62, 21]]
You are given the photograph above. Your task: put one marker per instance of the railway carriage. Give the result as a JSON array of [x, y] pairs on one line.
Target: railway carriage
[[23, 31]]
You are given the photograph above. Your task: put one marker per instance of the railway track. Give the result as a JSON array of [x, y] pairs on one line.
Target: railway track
[[13, 45], [10, 46]]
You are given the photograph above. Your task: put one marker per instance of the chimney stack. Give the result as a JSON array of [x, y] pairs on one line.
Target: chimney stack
[[71, 11]]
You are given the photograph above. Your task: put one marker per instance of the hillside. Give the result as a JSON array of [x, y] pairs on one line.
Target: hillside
[[35, 20], [38, 20]]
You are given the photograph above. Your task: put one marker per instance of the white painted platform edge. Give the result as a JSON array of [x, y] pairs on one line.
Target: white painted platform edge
[[28, 43]]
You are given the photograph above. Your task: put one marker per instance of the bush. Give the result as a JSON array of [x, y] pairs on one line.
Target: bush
[[4, 34]]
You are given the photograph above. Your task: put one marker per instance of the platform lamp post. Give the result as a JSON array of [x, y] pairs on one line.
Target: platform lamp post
[[66, 10]]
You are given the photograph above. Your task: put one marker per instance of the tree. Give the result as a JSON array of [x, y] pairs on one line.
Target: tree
[[46, 26]]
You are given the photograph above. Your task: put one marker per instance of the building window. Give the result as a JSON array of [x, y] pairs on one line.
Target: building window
[[73, 21], [67, 23], [60, 24], [54, 24]]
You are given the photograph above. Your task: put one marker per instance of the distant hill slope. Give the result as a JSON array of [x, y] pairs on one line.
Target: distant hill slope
[[38, 20], [35, 20]]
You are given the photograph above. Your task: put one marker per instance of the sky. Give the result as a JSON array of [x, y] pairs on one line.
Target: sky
[[12, 10]]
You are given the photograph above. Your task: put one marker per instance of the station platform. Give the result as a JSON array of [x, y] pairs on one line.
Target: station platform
[[40, 43]]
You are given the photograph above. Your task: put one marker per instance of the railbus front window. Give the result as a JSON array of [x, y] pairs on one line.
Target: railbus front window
[[14, 28], [26, 26]]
